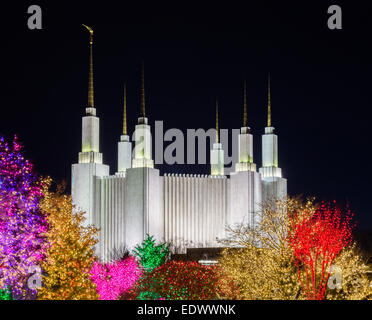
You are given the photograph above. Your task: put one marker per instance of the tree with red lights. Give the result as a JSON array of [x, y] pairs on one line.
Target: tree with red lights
[[316, 239]]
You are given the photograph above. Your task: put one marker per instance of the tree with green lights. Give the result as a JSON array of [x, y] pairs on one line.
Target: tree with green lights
[[5, 294], [150, 255]]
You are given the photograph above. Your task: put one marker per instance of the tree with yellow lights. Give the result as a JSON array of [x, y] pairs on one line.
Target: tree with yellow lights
[[349, 276], [261, 263], [70, 254]]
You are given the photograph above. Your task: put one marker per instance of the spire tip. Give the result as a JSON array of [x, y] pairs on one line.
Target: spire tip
[[90, 82], [143, 111], [125, 110], [217, 129], [245, 105], [268, 103]]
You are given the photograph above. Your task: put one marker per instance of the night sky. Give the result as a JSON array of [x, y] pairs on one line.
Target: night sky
[[321, 83]]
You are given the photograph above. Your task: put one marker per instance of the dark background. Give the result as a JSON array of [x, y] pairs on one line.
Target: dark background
[[321, 82]]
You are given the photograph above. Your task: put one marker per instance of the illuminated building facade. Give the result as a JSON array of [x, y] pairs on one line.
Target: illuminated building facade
[[185, 210]]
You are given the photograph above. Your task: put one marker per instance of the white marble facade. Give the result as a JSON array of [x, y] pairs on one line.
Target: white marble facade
[[185, 210]]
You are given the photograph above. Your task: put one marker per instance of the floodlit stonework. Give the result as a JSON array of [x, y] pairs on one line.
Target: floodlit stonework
[[189, 211], [185, 210]]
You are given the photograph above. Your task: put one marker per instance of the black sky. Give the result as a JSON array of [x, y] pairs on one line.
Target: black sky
[[321, 82]]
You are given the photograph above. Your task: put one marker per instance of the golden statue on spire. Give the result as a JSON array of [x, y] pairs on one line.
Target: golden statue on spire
[[90, 85]]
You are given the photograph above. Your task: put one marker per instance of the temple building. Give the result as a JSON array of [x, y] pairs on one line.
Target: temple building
[[188, 211]]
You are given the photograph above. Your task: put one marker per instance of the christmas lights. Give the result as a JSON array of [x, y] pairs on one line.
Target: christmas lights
[[289, 254], [70, 253], [262, 267], [114, 279], [5, 295], [350, 276], [179, 280], [150, 255], [22, 225], [316, 240]]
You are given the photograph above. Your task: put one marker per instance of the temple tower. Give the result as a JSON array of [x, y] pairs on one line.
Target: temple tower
[[245, 182], [217, 160], [90, 163], [245, 141], [143, 186], [124, 145], [274, 186]]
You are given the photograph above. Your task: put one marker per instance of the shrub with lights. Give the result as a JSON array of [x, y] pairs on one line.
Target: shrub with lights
[[350, 276], [114, 279], [5, 295], [151, 255], [179, 280]]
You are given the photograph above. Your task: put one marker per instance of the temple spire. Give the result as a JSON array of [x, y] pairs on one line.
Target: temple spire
[[125, 110], [143, 113], [124, 145], [245, 105], [217, 132], [268, 103], [90, 85], [217, 155]]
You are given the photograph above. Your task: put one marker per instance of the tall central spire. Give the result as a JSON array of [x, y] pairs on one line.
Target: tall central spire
[[268, 103], [245, 105], [143, 113], [217, 134], [125, 110], [90, 135], [90, 85], [142, 134]]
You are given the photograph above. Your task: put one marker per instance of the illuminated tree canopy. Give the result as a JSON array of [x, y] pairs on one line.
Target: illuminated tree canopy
[[70, 253], [22, 224], [179, 280], [151, 255], [316, 240], [114, 279]]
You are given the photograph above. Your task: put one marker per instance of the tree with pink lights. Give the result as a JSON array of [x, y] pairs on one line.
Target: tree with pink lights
[[114, 279], [22, 225]]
